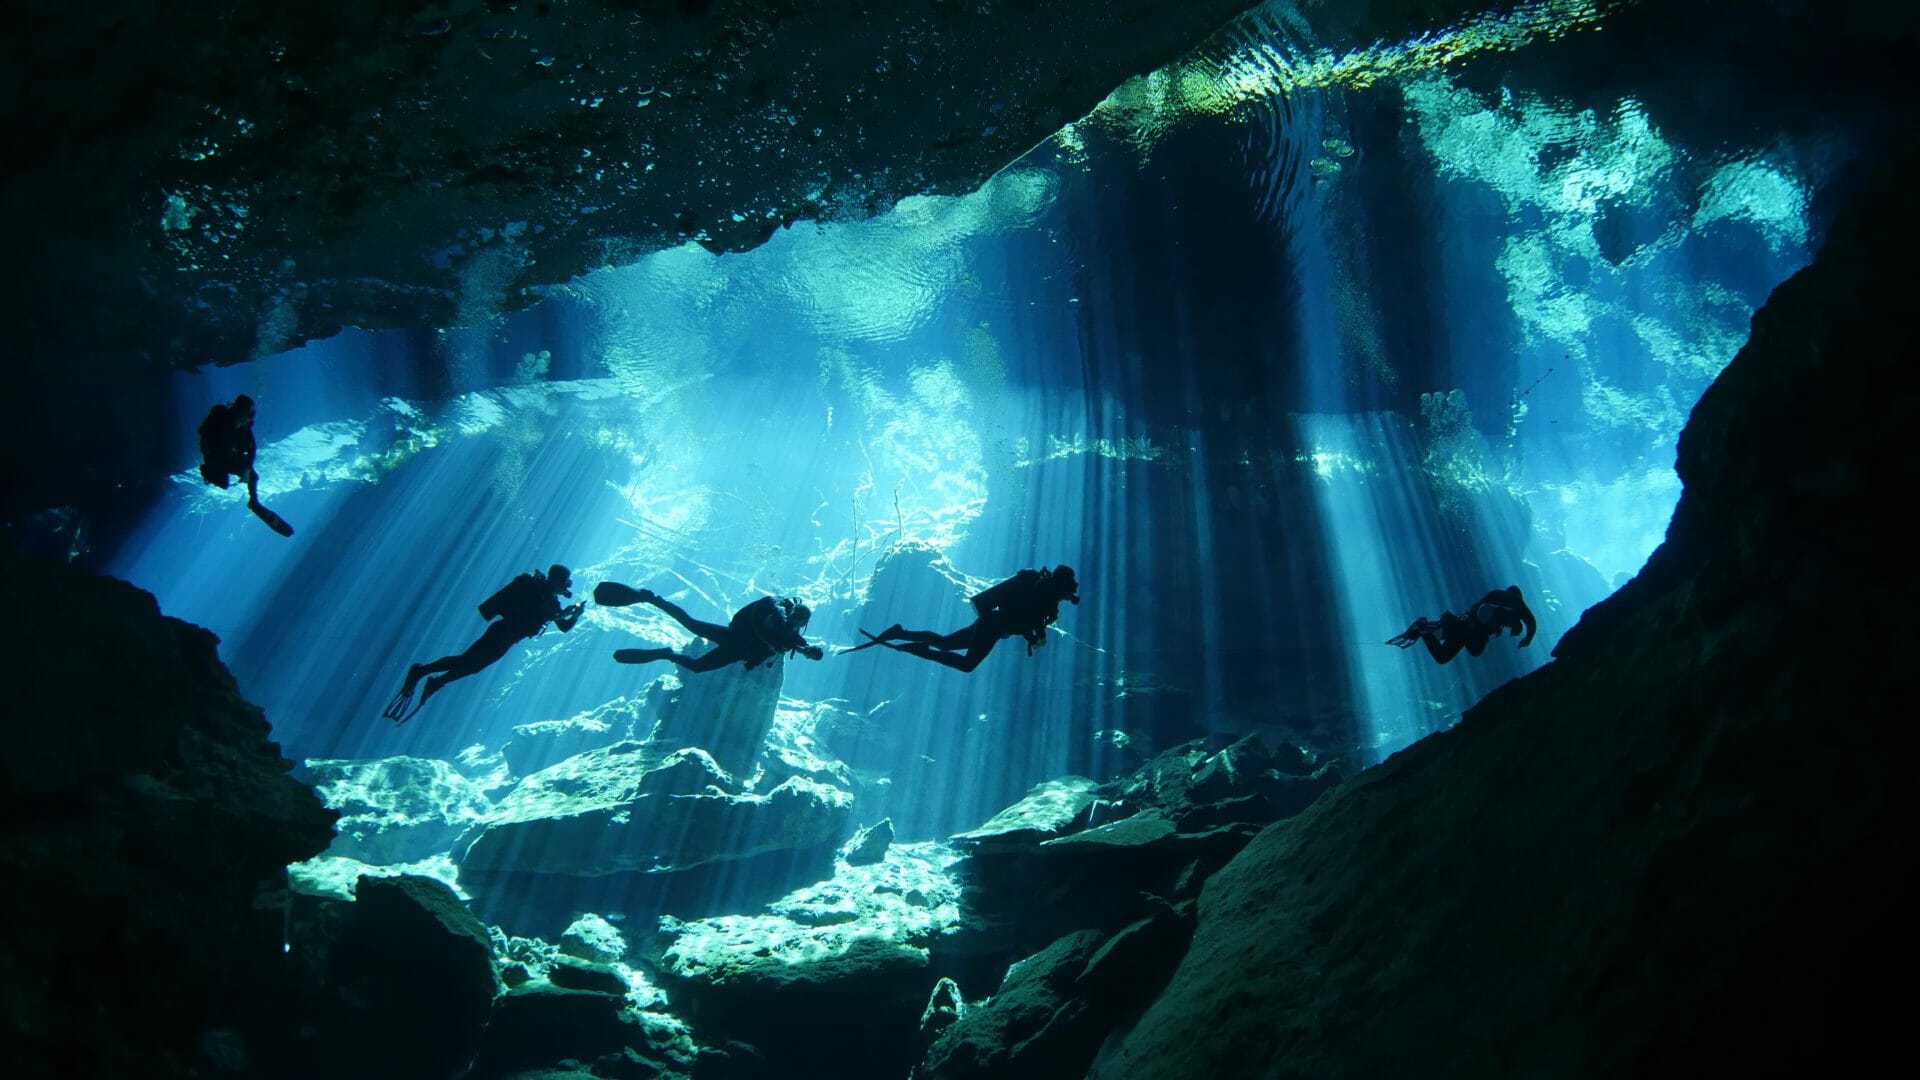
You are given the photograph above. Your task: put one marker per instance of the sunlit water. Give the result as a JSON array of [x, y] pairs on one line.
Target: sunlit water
[[1276, 372]]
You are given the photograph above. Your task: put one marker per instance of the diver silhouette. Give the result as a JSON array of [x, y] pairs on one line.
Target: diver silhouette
[[755, 635], [1445, 637], [523, 608], [227, 448], [1025, 604]]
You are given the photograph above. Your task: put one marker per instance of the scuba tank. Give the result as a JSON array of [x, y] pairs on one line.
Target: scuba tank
[[514, 595], [1006, 593]]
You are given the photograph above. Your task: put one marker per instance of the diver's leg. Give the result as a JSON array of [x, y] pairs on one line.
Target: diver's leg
[[711, 631], [644, 656], [1444, 647], [712, 660], [963, 638], [966, 661], [274, 521], [484, 652]]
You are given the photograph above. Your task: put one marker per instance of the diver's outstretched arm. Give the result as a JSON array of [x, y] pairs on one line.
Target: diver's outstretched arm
[[1526, 617], [570, 615]]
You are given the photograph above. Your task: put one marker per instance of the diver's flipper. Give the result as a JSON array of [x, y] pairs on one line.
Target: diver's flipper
[[867, 644], [402, 707], [639, 656], [876, 639], [614, 594], [274, 521]]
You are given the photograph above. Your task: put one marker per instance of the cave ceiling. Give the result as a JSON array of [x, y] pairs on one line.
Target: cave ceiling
[[212, 183]]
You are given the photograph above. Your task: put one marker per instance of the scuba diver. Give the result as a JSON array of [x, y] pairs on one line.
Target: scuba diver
[[754, 636], [227, 448], [1501, 609], [1025, 604], [524, 607]]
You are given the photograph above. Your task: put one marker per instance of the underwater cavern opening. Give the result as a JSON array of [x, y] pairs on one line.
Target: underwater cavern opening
[[938, 617]]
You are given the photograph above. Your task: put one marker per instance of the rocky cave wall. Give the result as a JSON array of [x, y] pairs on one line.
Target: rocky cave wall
[[147, 826]]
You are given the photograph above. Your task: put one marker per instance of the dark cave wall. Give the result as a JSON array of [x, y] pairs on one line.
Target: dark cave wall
[[1667, 850], [145, 825]]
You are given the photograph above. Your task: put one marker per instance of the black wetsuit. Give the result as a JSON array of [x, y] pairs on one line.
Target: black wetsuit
[[525, 611], [1022, 605], [1499, 610], [754, 635], [228, 449]]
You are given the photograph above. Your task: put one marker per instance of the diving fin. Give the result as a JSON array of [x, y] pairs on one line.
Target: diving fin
[[614, 594], [873, 640], [402, 707], [274, 521]]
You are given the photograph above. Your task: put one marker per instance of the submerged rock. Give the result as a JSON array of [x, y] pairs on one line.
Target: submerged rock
[[792, 748], [398, 982], [1074, 854], [869, 845], [337, 878], [1052, 1009], [854, 946], [727, 713], [538, 744], [148, 823], [536, 1027], [1003, 1036], [606, 813], [398, 809], [591, 937], [1053, 808]]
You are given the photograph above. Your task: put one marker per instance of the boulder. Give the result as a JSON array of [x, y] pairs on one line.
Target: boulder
[[792, 748], [854, 946], [538, 1026], [398, 982], [1074, 854], [593, 938], [728, 713], [869, 845], [1053, 1009], [1030, 1027], [1053, 808]]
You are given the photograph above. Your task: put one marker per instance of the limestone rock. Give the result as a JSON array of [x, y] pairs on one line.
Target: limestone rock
[[657, 821], [727, 713], [856, 945], [1052, 808], [593, 938], [1027, 1029], [398, 809], [869, 845], [793, 748], [539, 744], [398, 982], [150, 821], [338, 878], [570, 973], [539, 1025]]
